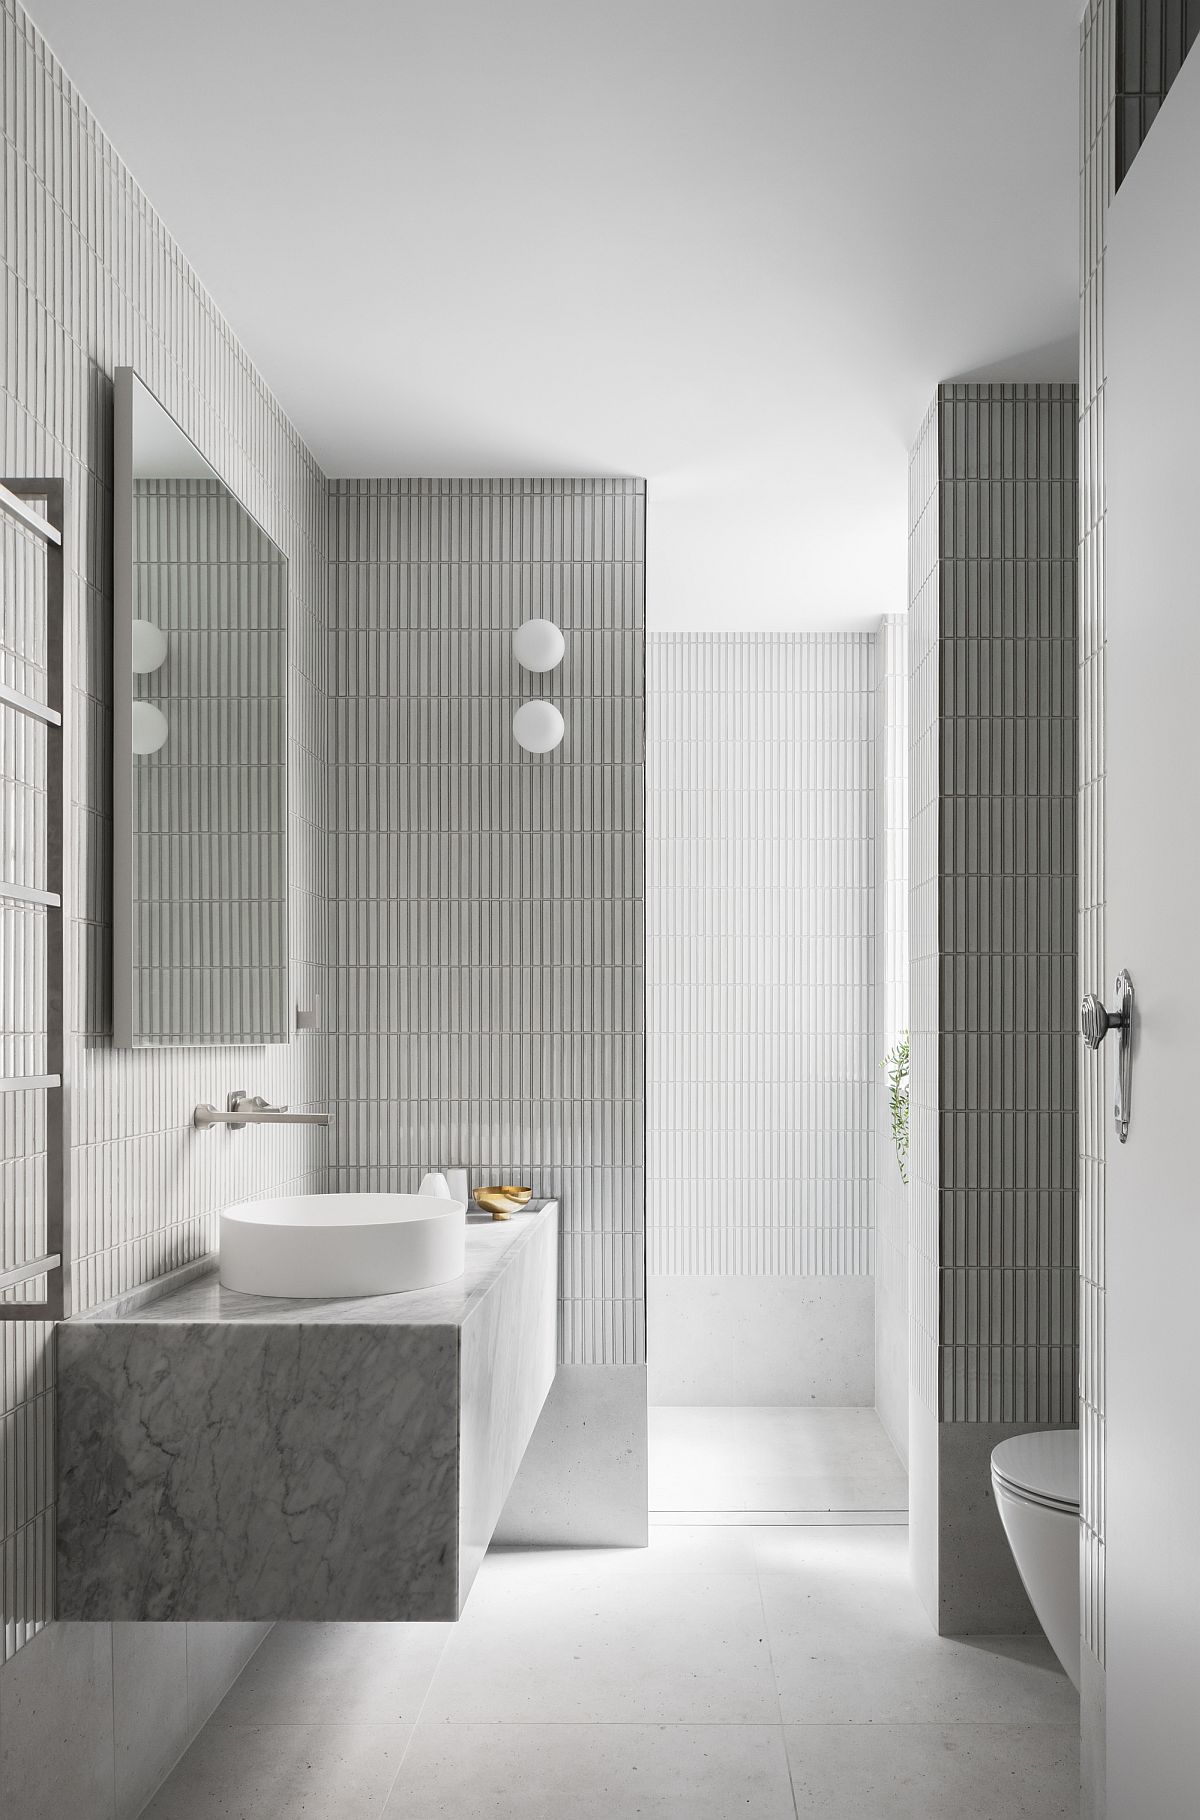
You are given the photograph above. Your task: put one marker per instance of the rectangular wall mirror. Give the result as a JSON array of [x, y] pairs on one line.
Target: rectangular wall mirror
[[200, 911]]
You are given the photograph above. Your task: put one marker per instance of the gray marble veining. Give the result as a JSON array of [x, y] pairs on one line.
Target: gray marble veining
[[234, 1457]]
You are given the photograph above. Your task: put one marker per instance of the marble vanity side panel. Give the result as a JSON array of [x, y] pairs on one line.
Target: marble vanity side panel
[[509, 1346], [239, 1472]]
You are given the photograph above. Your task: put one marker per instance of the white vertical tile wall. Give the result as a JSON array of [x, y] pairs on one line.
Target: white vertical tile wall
[[93, 280], [763, 1050], [892, 1021], [1097, 168], [924, 957], [489, 916]]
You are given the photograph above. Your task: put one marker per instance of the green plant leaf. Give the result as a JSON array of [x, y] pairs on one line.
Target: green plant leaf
[[895, 1063]]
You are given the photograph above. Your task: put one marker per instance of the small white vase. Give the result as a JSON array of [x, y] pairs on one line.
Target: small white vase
[[436, 1183]]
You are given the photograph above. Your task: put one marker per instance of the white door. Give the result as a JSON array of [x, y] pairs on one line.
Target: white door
[[1152, 872]]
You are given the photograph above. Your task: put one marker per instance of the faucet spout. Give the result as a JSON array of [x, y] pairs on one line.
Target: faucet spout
[[252, 1109]]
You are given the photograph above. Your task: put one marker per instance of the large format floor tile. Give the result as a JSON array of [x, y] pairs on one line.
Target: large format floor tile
[[282, 1772], [771, 1458], [336, 1674], [593, 1772], [850, 1643], [933, 1772], [732, 1668], [545, 1638]]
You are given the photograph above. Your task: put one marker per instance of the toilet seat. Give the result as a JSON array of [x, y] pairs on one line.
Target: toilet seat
[[1041, 1468]]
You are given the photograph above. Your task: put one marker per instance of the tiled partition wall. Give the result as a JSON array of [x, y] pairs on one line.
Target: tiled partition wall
[[994, 1001], [763, 1045], [924, 959], [891, 1019], [489, 926], [93, 280]]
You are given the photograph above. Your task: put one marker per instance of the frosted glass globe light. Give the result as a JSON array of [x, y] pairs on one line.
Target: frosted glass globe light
[[150, 728], [538, 726], [149, 647], [538, 645]]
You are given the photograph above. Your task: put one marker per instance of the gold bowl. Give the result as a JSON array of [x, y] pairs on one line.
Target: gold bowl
[[502, 1202]]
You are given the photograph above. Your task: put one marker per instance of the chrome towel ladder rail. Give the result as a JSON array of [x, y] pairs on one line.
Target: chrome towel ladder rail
[[51, 1264]]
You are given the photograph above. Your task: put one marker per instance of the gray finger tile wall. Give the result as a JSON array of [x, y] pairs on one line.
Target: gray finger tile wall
[[993, 894], [92, 280], [1149, 40], [488, 914]]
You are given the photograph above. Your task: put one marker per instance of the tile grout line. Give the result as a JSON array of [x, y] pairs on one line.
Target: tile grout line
[[413, 1728], [112, 1672], [762, 1606]]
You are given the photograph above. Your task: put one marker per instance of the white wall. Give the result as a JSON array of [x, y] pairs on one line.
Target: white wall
[[761, 1018]]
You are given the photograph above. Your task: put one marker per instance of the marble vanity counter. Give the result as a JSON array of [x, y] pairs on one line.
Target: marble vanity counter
[[492, 1247], [229, 1457]]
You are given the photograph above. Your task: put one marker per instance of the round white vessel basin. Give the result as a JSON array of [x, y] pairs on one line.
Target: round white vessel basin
[[342, 1244]]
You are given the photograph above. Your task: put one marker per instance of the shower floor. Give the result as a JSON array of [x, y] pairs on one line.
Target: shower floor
[[773, 1465]]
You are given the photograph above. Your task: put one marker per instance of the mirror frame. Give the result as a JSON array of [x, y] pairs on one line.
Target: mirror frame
[[125, 381]]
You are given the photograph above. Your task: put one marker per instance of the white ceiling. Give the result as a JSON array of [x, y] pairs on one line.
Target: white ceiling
[[730, 245]]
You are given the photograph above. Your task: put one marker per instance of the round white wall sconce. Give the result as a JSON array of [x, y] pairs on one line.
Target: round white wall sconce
[[149, 647], [150, 728], [538, 645], [538, 726]]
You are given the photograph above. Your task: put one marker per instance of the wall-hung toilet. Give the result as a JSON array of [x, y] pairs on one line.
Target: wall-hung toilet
[[1036, 1481]]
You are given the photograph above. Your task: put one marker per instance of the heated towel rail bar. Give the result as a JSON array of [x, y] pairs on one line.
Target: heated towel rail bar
[[46, 524]]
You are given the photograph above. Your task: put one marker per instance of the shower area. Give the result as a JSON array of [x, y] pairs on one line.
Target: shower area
[[777, 981]]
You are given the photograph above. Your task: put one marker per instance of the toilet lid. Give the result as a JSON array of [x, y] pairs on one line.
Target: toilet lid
[[1043, 1466]]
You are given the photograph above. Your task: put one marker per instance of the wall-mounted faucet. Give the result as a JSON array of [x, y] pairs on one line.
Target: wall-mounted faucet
[[252, 1109]]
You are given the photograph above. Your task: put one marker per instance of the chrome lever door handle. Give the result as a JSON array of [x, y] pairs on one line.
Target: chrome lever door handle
[[1095, 1022]]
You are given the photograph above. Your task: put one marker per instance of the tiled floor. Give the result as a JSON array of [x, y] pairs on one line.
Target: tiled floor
[[766, 1670], [778, 1462]]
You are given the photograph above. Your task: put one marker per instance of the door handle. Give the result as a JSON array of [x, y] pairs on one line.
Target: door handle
[[1095, 1022]]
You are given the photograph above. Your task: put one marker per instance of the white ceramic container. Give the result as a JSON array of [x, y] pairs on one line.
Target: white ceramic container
[[321, 1245]]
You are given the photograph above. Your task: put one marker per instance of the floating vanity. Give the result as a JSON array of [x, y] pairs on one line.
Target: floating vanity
[[229, 1456]]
